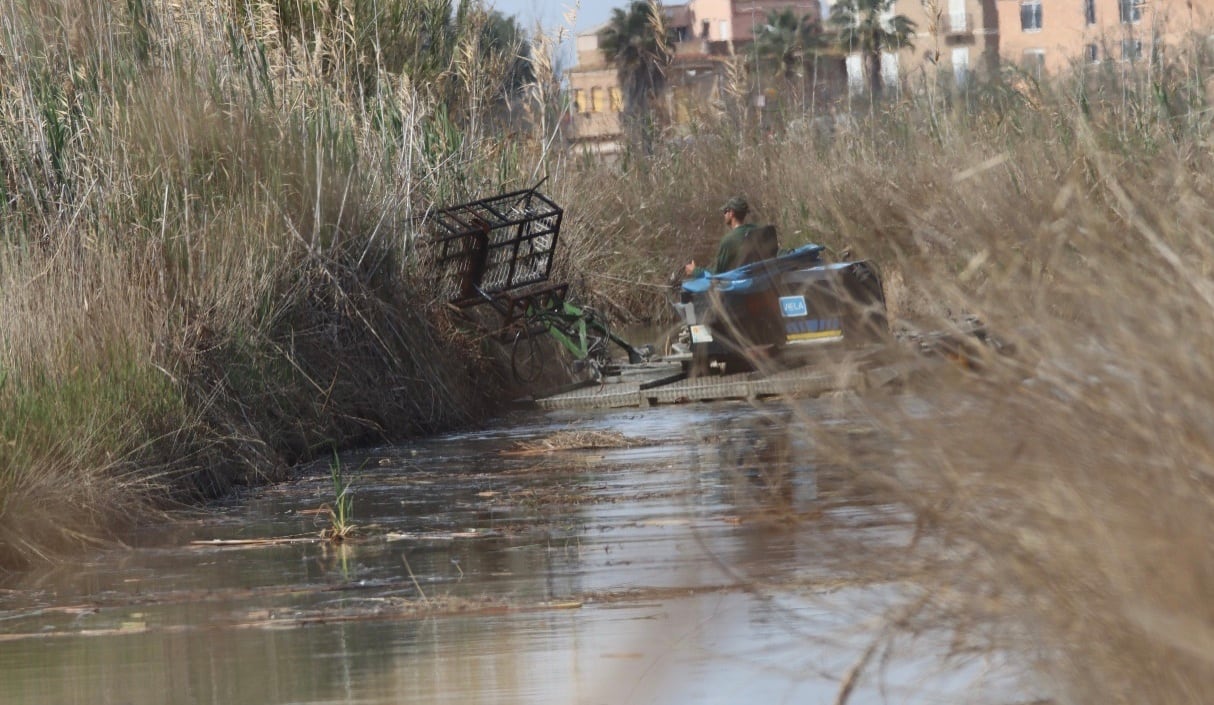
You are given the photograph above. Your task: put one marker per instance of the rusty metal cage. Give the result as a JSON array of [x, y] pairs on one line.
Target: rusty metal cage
[[487, 247]]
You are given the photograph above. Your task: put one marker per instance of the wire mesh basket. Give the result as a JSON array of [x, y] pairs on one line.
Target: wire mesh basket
[[495, 245]]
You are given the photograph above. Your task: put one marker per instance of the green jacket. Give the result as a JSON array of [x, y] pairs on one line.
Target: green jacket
[[729, 253]]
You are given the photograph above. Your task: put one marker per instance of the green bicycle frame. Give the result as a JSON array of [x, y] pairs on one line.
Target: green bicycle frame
[[571, 326], [575, 340]]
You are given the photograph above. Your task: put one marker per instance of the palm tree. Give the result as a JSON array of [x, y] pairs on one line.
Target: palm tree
[[870, 27], [787, 41], [640, 46]]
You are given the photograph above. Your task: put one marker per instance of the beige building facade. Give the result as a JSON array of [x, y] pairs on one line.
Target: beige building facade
[[962, 39], [595, 100], [956, 41], [707, 33], [1049, 35], [738, 20]]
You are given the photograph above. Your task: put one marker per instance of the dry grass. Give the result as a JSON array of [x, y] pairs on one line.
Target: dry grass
[[573, 440], [1069, 489], [1064, 496], [208, 267], [208, 272]]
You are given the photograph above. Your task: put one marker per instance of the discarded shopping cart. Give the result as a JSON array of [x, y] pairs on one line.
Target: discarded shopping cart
[[498, 252]]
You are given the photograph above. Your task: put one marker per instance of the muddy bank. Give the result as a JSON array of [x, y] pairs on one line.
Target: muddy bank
[[228, 406]]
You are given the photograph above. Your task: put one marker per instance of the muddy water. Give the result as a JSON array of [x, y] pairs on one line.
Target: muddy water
[[692, 557]]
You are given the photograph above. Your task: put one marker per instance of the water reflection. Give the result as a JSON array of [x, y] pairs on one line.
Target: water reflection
[[692, 566]]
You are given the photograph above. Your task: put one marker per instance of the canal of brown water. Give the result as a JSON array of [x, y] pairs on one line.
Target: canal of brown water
[[688, 554]]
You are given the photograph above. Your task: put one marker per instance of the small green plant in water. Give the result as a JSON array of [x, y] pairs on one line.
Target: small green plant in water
[[341, 511]]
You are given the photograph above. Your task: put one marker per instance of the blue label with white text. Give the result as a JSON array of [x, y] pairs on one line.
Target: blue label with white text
[[793, 306]]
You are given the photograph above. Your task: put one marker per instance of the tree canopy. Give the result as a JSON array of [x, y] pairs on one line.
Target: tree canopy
[[871, 28], [640, 46], [786, 42]]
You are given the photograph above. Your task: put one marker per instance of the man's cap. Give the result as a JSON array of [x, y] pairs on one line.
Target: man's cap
[[737, 204]]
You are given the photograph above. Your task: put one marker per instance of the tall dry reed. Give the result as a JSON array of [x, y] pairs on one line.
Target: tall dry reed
[[208, 271], [1063, 495], [209, 240]]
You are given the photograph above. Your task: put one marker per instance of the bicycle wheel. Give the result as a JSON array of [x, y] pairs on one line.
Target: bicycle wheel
[[527, 355], [598, 337]]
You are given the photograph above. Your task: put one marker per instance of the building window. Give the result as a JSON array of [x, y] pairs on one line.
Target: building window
[[958, 20], [890, 76], [598, 103], [1033, 61], [1091, 52], [1030, 15], [855, 73], [1089, 12], [961, 65], [1129, 11], [617, 99], [856, 66], [579, 100], [1131, 49]]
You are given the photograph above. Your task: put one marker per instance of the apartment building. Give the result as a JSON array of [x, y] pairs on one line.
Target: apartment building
[[596, 100], [707, 33], [1049, 35], [955, 41], [957, 38], [737, 20]]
